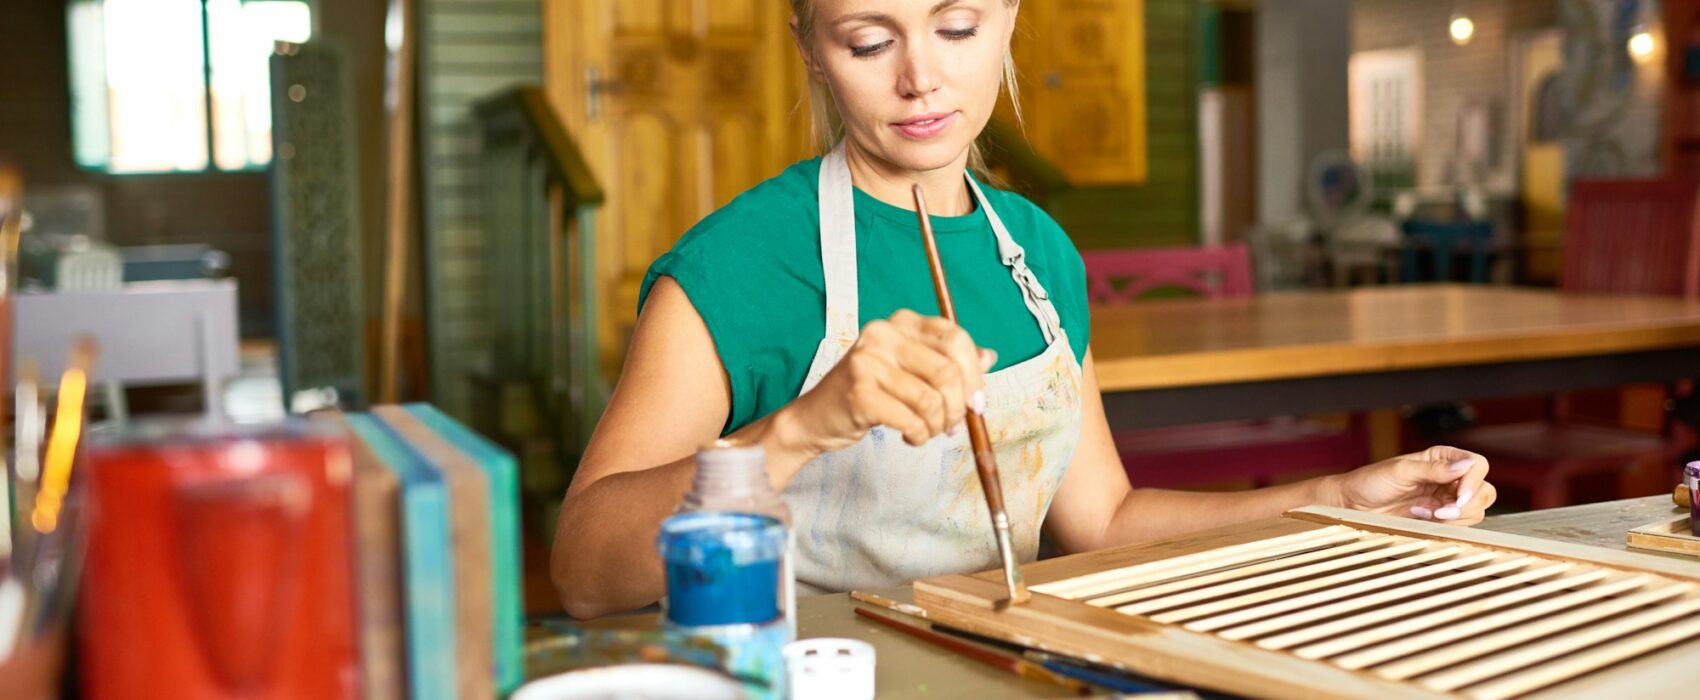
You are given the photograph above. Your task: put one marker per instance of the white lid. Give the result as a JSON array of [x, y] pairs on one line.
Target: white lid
[[830, 668]]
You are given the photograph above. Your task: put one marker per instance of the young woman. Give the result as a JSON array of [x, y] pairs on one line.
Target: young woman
[[801, 317]]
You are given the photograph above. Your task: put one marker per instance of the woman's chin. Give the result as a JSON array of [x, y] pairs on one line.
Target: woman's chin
[[926, 156]]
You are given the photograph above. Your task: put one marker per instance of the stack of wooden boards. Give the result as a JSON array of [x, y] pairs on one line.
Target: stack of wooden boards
[[438, 549], [1327, 603]]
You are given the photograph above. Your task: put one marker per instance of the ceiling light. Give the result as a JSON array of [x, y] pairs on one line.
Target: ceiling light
[[1462, 29]]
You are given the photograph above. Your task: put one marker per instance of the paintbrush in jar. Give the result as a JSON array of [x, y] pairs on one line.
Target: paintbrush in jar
[[985, 461]]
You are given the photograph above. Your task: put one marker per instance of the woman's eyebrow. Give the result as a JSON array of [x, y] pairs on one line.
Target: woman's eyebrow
[[881, 17]]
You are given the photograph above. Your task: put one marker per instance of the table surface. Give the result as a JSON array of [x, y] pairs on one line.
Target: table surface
[[909, 668], [1287, 335]]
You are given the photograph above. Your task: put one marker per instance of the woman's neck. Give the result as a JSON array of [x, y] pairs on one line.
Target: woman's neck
[[946, 188]]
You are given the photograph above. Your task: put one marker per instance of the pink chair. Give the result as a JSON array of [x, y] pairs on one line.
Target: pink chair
[[1622, 237], [1193, 455]]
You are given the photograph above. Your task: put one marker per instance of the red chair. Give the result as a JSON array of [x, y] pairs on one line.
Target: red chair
[[1194, 455], [1621, 236]]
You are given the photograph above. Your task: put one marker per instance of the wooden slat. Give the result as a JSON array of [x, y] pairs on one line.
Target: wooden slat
[[1472, 614], [1141, 646], [1401, 547], [1384, 624], [1579, 640], [1354, 604], [1220, 606], [1274, 568], [1329, 595], [1106, 581], [1687, 570], [1551, 672], [1468, 629], [1507, 638]]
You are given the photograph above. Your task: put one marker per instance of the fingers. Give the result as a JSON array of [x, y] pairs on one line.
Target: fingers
[[949, 340], [916, 375], [939, 377], [1447, 484], [1476, 507], [1467, 476], [882, 395]]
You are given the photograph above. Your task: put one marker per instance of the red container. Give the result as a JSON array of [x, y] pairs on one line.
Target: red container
[[219, 564]]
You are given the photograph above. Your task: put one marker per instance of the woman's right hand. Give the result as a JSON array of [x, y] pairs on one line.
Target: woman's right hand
[[918, 375]]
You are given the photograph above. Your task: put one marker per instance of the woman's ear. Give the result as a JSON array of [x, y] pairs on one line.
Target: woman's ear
[[808, 56]]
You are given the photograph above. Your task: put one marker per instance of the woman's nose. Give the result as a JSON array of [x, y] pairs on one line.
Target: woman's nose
[[920, 72]]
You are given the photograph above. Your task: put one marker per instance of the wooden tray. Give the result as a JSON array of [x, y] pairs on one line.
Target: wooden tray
[[1331, 603], [1672, 535]]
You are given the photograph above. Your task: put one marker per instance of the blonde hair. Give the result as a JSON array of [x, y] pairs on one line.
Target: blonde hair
[[826, 126]]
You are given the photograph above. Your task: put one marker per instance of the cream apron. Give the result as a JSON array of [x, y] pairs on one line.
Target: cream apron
[[883, 513]]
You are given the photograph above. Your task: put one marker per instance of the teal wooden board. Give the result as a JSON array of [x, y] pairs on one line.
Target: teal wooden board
[[502, 470], [427, 567]]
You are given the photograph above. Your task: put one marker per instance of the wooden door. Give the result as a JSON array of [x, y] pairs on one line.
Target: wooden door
[[679, 105], [1082, 73]]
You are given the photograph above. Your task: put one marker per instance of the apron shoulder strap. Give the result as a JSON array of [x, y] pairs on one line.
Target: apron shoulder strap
[[838, 245], [1033, 293]]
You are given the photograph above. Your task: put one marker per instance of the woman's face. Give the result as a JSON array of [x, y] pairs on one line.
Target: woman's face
[[914, 80]]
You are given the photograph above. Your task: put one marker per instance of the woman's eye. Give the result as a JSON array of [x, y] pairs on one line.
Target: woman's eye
[[869, 49], [959, 34]]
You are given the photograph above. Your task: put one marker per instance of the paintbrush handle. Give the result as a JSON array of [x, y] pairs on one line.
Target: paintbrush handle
[[1018, 666], [985, 460]]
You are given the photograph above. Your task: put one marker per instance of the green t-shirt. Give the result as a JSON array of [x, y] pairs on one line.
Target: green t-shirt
[[753, 271]]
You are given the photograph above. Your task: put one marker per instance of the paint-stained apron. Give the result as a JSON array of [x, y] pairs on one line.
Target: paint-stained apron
[[884, 513]]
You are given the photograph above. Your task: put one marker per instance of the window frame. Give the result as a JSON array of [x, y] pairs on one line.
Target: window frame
[[209, 128]]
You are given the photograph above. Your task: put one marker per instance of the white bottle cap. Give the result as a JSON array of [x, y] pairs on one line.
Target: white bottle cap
[[830, 669]]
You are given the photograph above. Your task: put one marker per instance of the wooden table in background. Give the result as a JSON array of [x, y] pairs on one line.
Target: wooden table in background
[[1191, 361]]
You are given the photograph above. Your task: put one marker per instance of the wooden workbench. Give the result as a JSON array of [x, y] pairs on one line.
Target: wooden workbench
[[1193, 360], [912, 669]]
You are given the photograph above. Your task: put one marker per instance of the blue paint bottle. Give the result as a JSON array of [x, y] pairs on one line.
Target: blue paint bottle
[[727, 566], [722, 568]]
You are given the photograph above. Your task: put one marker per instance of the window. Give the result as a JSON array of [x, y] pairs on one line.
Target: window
[[145, 98]]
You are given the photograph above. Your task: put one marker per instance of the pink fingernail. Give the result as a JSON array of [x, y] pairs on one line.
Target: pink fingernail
[[956, 430], [1462, 464], [1464, 497], [977, 401], [1448, 513], [1422, 513]]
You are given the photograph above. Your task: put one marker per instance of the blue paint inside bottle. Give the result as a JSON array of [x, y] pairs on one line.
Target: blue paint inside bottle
[[722, 568]]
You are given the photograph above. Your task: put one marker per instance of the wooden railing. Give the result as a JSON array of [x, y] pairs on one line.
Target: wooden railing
[[538, 211]]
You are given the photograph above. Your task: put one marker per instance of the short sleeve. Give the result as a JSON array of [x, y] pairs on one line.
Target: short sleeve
[[715, 302], [752, 273]]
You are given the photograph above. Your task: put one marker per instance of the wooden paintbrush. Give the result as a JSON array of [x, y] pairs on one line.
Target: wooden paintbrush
[[985, 461], [1014, 664]]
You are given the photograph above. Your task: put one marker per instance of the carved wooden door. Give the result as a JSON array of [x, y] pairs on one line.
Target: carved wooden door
[[679, 105], [1082, 72]]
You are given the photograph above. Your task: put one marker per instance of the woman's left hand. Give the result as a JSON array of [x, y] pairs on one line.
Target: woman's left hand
[[1440, 483]]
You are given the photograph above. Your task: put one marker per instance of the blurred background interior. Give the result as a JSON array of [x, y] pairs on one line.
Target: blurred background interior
[[263, 206]]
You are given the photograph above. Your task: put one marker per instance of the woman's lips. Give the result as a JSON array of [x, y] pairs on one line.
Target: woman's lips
[[925, 126]]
